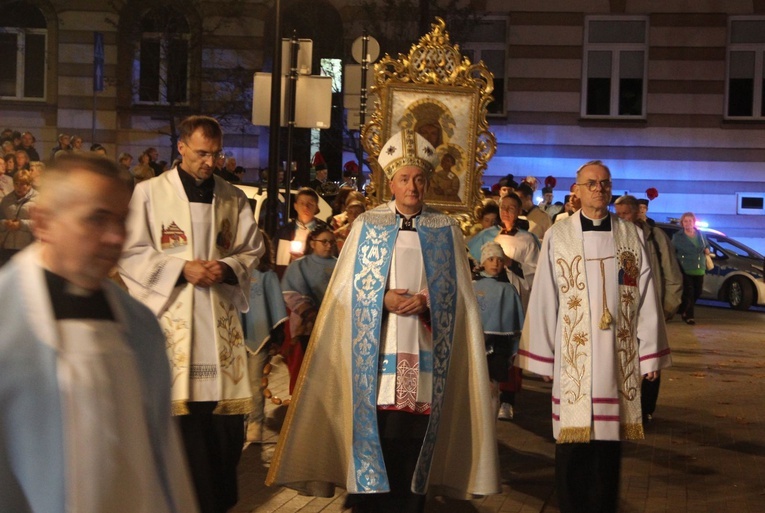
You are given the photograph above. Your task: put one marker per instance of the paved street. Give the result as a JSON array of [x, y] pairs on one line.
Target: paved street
[[703, 453]]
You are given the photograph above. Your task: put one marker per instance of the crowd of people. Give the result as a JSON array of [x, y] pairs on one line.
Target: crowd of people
[[412, 336]]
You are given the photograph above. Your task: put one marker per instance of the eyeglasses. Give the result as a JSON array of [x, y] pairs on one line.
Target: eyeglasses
[[328, 242], [592, 185], [214, 155]]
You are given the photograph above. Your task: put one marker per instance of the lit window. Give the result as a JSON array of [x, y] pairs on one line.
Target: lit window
[[615, 57], [23, 37], [161, 58], [487, 42], [746, 51]]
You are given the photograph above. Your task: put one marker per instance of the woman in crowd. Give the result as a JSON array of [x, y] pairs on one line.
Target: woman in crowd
[[15, 221], [355, 205], [22, 160], [36, 169], [6, 182], [77, 143], [303, 286], [10, 164], [486, 215], [142, 171], [520, 246], [691, 248]]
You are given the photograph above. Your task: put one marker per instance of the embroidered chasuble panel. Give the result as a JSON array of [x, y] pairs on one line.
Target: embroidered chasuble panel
[[599, 373]]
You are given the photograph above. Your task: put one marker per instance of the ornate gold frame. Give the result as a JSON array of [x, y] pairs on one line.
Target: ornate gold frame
[[435, 85]]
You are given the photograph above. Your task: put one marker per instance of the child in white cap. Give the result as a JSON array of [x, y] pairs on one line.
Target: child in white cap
[[502, 317]]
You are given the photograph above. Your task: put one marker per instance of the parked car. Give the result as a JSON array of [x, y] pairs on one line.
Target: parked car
[[257, 195], [739, 273]]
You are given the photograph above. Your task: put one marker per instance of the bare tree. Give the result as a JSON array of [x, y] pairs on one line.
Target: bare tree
[[397, 24], [167, 74]]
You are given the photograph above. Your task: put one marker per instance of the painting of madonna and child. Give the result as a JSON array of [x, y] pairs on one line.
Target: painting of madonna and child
[[446, 120]]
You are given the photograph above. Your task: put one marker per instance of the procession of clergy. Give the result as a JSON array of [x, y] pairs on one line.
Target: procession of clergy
[[400, 384]]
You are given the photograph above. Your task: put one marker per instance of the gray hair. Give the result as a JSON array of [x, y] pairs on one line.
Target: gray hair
[[629, 201], [593, 163]]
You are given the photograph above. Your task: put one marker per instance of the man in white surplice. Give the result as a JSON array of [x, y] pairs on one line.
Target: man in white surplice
[[84, 383], [191, 245], [594, 327]]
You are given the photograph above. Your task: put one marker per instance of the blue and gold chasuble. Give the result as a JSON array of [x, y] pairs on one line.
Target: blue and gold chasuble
[[340, 373]]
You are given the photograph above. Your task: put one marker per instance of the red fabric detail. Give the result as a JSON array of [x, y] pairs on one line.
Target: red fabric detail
[[535, 356], [318, 158], [664, 352], [651, 193], [605, 400], [293, 354], [514, 383], [550, 182]]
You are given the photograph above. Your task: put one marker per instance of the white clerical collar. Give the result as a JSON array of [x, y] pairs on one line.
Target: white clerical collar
[[392, 206], [595, 222]]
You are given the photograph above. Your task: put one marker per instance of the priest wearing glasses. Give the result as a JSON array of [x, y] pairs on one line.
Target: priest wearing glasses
[[190, 247], [594, 327]]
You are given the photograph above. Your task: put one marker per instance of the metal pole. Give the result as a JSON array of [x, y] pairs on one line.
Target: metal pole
[[93, 120], [290, 108], [272, 198], [363, 102]]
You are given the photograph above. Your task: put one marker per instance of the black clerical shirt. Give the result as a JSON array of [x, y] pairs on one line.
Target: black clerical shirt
[[69, 302], [197, 193]]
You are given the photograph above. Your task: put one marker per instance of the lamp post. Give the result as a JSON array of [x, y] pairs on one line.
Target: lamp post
[[272, 198], [290, 111]]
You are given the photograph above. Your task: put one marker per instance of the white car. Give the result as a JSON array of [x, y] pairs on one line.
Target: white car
[[257, 195]]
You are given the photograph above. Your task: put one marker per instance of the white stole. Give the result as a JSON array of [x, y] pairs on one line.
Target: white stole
[[580, 320]]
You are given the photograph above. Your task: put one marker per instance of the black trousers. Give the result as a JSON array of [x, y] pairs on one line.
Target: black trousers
[[213, 446], [649, 394], [587, 476], [693, 286], [401, 436]]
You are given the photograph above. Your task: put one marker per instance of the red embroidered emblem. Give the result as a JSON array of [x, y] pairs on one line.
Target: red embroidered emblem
[[173, 236]]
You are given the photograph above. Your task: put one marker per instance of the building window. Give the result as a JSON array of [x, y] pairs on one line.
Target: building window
[[23, 39], [487, 42], [161, 58], [745, 85], [615, 61]]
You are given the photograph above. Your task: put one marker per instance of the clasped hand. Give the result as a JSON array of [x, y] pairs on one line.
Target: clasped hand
[[203, 273], [401, 302]]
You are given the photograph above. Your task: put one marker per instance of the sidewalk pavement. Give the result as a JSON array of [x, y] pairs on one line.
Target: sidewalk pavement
[[703, 453]]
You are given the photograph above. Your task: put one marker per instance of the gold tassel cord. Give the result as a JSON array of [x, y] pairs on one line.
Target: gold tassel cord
[[606, 319]]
